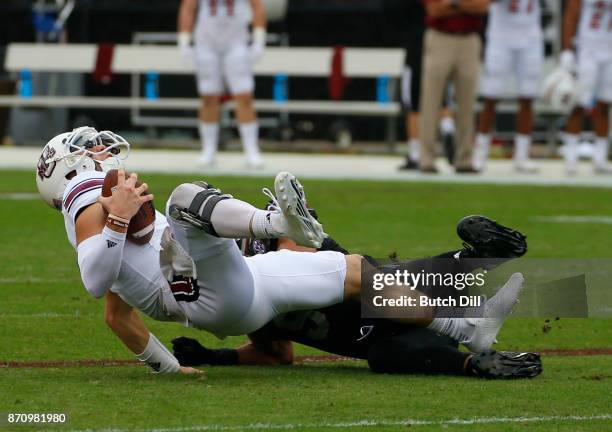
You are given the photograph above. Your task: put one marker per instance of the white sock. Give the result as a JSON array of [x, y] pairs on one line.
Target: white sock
[[522, 144], [268, 224], [209, 135], [249, 135], [456, 328], [481, 150], [414, 149], [600, 153], [233, 218], [447, 125], [571, 150]]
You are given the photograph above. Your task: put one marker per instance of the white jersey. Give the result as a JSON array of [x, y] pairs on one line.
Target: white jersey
[[595, 22], [140, 279], [515, 19], [222, 22]]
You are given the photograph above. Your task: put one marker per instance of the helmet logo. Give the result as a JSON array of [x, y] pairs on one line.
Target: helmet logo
[[46, 169]]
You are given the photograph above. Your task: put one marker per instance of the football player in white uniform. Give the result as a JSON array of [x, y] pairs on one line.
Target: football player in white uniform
[[515, 48], [222, 55], [588, 27], [191, 271]]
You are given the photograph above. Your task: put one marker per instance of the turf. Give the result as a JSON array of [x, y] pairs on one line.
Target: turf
[[45, 314]]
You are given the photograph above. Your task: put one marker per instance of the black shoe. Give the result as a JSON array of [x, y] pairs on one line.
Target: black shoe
[[505, 365], [429, 170], [448, 141], [409, 165], [466, 170], [485, 238]]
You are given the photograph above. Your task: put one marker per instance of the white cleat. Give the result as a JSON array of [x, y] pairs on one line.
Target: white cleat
[[526, 167], [302, 227], [496, 309]]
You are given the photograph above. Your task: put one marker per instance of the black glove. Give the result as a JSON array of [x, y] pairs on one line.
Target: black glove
[[190, 352]]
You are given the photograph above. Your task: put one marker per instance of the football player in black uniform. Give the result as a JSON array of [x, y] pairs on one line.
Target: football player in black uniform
[[389, 347]]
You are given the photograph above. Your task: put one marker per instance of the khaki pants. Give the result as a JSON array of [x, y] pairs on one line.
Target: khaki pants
[[449, 56]]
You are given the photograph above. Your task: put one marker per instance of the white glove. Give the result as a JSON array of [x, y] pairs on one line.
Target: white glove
[[185, 49], [567, 60], [258, 44]]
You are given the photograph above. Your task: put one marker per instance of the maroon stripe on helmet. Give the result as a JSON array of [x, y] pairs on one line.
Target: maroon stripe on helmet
[[81, 188]]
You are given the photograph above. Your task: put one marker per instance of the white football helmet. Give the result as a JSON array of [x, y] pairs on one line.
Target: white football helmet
[[561, 90], [69, 154]]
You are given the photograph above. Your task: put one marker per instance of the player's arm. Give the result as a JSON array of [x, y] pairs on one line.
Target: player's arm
[[258, 39], [570, 22], [101, 230], [187, 15], [125, 322], [260, 351]]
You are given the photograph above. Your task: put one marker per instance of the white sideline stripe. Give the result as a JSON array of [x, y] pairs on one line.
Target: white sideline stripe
[[19, 196], [47, 315], [359, 423], [585, 219]]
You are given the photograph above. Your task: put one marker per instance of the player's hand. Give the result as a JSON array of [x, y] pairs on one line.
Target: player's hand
[[258, 45], [190, 371], [185, 50], [127, 197], [190, 352], [567, 60]]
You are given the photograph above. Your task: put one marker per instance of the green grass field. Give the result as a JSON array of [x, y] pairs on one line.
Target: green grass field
[[45, 314]]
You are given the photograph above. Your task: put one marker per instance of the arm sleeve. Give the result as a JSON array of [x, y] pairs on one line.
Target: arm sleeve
[[100, 259]]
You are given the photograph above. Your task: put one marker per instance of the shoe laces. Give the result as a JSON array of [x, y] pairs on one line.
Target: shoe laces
[[273, 204]]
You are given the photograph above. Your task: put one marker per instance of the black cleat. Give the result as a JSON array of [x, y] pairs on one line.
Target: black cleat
[[409, 165], [505, 365], [485, 238]]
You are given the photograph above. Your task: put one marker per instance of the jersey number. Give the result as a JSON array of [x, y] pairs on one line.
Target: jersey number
[[229, 4], [185, 289]]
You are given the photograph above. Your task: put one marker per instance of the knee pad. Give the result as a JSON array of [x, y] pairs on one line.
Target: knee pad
[[197, 200]]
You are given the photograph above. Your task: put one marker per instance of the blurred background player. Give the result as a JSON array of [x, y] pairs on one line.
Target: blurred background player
[[411, 89], [515, 47], [590, 22], [452, 50], [223, 56]]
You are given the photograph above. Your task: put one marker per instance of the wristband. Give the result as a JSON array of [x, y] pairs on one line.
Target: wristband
[[109, 234], [158, 357], [117, 221]]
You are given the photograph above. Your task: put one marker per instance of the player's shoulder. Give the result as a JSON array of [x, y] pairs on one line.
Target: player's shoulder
[[82, 185]]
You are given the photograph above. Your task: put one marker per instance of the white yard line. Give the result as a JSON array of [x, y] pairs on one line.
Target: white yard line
[[362, 423], [19, 196], [583, 219]]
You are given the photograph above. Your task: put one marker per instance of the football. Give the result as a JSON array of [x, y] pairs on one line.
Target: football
[[142, 224]]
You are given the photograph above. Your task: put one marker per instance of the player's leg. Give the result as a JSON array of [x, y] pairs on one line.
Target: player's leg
[[496, 68], [587, 78], [528, 66], [411, 94], [210, 87], [421, 351], [239, 74], [466, 81], [438, 62], [601, 117], [207, 209]]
